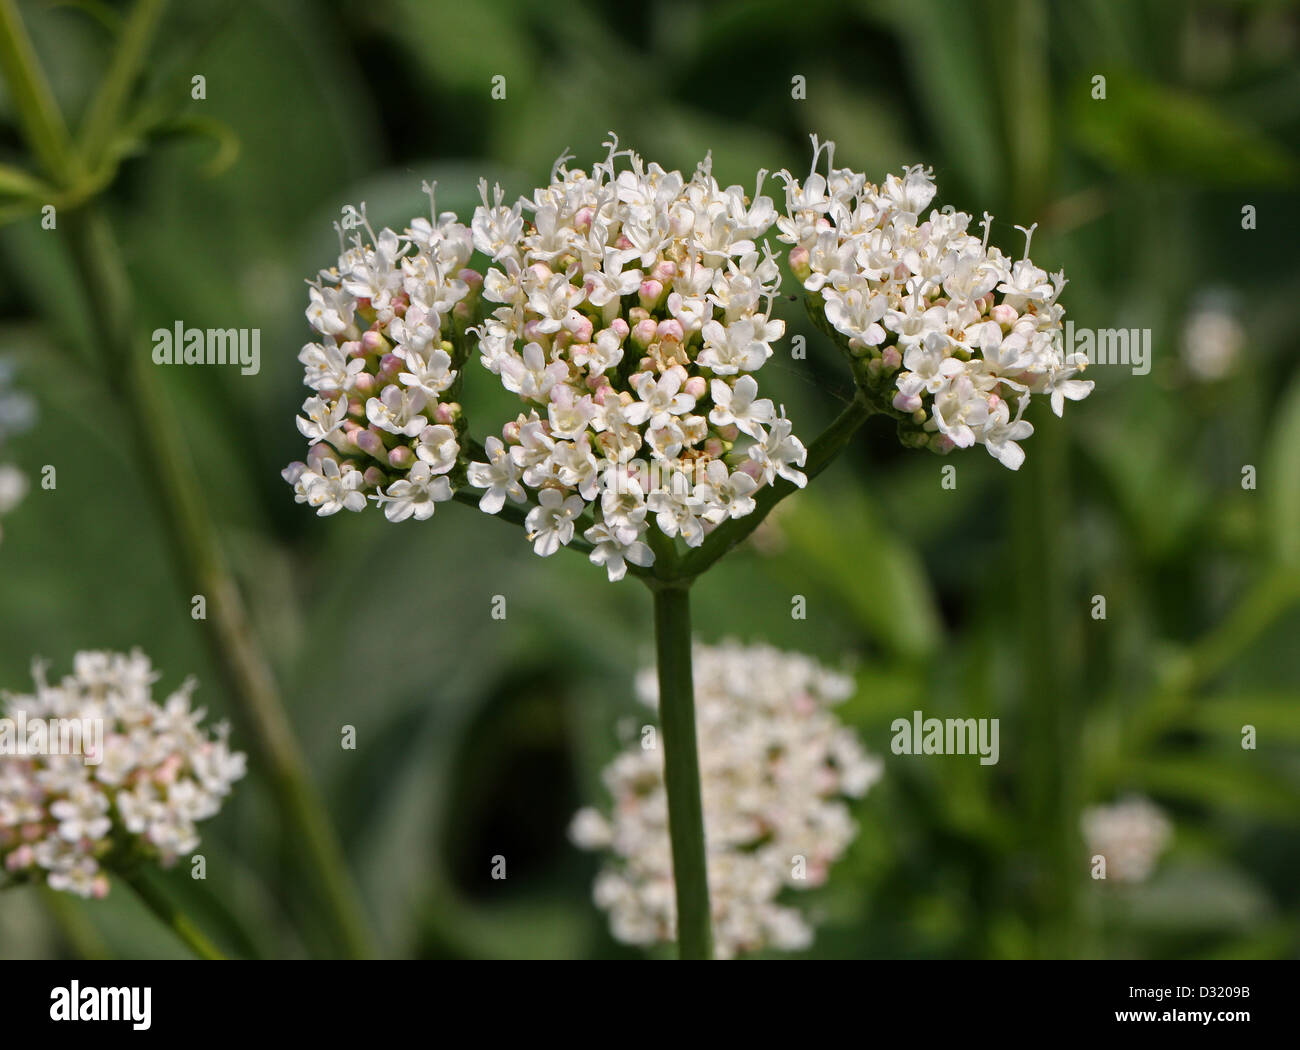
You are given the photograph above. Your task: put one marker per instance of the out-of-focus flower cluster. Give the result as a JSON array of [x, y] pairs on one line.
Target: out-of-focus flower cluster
[[633, 311], [1131, 834], [1213, 337], [16, 413], [67, 817], [390, 315], [775, 766], [947, 334]]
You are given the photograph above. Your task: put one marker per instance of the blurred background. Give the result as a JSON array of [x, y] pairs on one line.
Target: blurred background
[[479, 737]]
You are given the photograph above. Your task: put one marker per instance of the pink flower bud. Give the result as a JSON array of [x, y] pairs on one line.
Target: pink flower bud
[[730, 432], [401, 457], [531, 332], [541, 271], [651, 292], [619, 327], [472, 278], [1004, 315], [582, 220], [696, 387], [906, 402], [644, 332], [579, 326], [891, 359], [364, 385], [372, 342], [671, 329], [713, 448], [371, 443], [799, 263], [664, 271], [374, 477]]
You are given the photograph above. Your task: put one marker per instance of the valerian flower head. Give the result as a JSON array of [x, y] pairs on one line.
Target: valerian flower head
[[633, 309], [390, 318], [146, 774], [947, 334], [776, 766], [1131, 834]]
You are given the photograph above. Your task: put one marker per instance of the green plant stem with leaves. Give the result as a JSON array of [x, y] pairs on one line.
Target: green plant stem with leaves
[[160, 448]]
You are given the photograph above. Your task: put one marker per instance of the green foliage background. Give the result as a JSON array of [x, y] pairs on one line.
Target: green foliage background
[[479, 737]]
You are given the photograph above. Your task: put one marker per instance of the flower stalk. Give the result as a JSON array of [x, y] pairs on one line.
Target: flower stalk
[[672, 612]]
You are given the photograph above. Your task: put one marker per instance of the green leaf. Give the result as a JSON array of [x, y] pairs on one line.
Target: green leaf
[[1238, 784], [1143, 129], [841, 543], [1281, 480]]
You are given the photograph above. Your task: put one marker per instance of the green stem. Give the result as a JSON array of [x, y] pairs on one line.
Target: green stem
[[103, 119], [38, 113], [682, 770], [240, 660], [74, 926], [172, 917], [821, 452]]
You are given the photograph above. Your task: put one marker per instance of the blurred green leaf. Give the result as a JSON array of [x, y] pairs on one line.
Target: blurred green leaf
[[1281, 480], [1142, 128]]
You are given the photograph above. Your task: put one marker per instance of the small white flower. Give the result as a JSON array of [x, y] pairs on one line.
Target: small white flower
[[415, 495], [438, 448], [323, 418], [398, 411], [610, 551], [499, 476], [740, 405], [550, 525], [661, 399], [778, 452], [334, 488]]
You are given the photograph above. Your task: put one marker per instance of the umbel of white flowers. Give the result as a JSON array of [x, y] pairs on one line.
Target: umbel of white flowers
[[950, 336], [630, 310], [155, 772], [776, 766], [1131, 834]]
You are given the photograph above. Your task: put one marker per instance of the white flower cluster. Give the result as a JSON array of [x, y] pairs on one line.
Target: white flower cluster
[[16, 412], [634, 307], [383, 421], [775, 763], [1131, 834], [1213, 337], [65, 818], [949, 335]]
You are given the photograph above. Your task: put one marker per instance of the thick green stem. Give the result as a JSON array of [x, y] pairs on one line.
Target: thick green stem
[[240, 660], [173, 918], [682, 771]]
